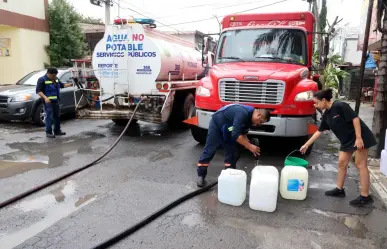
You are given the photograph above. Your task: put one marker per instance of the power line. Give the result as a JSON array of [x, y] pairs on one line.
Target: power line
[[223, 7], [210, 18], [135, 11]]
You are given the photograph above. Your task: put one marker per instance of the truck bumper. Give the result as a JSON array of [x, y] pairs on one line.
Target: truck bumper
[[277, 127], [118, 114]]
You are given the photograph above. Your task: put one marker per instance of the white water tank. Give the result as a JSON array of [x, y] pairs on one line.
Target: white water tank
[[294, 182], [264, 188], [232, 187]]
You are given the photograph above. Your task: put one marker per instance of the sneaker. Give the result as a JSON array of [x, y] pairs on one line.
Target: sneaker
[[200, 182], [361, 201], [50, 135], [335, 192], [61, 133]]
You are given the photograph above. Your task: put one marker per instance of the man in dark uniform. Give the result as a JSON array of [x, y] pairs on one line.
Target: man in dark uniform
[[48, 88], [229, 125]]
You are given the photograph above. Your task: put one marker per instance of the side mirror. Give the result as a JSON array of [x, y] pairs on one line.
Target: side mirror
[[205, 48], [210, 59]]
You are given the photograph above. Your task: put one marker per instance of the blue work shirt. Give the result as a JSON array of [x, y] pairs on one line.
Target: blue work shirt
[[234, 120], [41, 85]]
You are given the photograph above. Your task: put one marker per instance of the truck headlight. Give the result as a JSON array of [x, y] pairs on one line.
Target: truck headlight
[[304, 96], [202, 91], [21, 97]]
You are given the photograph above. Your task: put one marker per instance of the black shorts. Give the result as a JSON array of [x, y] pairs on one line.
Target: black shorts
[[352, 148]]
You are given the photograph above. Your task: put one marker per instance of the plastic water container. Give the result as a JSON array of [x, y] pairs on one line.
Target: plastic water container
[[383, 162], [232, 187], [294, 183], [264, 188]]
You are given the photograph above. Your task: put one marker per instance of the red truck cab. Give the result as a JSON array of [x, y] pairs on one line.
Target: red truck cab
[[261, 60]]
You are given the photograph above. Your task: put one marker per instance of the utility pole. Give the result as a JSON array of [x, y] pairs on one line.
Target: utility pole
[[107, 12], [119, 8], [108, 4], [364, 55]]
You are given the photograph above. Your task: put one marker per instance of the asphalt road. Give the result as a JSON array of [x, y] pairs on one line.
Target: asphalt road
[[148, 169]]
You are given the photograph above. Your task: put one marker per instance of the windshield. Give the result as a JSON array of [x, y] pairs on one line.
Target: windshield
[[31, 79], [268, 45]]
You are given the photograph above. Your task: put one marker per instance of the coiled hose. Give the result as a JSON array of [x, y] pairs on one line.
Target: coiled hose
[[113, 240], [49, 183]]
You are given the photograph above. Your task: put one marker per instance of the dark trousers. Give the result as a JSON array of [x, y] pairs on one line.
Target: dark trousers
[[52, 116], [214, 141]]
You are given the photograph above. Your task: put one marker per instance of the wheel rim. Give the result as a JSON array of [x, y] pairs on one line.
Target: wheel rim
[[190, 109], [42, 116]]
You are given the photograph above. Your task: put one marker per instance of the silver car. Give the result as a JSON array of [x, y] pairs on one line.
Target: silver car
[[20, 101]]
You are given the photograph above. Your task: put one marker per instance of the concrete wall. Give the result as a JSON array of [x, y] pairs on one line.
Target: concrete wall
[[24, 56], [33, 8], [25, 23]]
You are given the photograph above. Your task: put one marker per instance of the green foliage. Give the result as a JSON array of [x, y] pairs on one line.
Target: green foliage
[[67, 40], [323, 16], [331, 73]]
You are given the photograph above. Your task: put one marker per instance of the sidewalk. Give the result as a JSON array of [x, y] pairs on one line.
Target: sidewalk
[[378, 180]]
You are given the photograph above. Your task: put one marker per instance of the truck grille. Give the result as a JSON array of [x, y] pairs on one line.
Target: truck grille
[[3, 101], [271, 93]]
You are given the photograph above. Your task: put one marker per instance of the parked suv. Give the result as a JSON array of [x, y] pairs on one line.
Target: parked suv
[[20, 101]]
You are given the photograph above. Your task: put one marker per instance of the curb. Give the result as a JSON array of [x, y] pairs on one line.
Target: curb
[[379, 189]]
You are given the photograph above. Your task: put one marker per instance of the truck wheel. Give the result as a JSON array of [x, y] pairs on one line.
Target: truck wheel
[[199, 134], [182, 109], [39, 117], [124, 122], [188, 108]]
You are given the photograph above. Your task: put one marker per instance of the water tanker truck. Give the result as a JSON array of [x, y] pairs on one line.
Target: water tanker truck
[[261, 60], [133, 61]]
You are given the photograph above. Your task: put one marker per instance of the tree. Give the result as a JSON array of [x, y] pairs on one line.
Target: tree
[[67, 40], [323, 16], [379, 123]]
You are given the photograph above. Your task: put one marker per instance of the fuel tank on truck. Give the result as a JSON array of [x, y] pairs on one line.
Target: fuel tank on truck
[[130, 59]]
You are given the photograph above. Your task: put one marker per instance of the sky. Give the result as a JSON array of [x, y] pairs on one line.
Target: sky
[[171, 13]]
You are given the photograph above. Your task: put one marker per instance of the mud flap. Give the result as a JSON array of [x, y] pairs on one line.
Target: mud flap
[[167, 107], [192, 121], [312, 129]]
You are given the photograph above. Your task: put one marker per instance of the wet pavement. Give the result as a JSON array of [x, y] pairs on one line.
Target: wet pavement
[[151, 167]]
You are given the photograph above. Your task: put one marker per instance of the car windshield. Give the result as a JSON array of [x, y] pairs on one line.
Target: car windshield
[[31, 79], [268, 45]]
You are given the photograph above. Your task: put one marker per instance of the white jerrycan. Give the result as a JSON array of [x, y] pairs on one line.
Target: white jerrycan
[[264, 188], [294, 182], [232, 187]]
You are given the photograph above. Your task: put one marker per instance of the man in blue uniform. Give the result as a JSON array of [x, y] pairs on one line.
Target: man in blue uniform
[[229, 125], [48, 87]]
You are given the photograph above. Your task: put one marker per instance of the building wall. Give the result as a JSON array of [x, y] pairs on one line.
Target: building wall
[[25, 24], [33, 8]]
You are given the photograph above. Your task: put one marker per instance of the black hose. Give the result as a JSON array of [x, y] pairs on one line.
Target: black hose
[[151, 217], [44, 185]]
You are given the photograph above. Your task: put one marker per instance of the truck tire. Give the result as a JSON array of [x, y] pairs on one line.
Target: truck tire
[[124, 122], [199, 134], [182, 109], [39, 116]]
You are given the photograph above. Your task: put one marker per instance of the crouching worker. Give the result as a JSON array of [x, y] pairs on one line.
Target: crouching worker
[[355, 137], [229, 125]]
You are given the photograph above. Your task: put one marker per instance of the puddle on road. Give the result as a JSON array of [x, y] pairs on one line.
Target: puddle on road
[[34, 155], [352, 222], [55, 206], [325, 167], [193, 219]]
